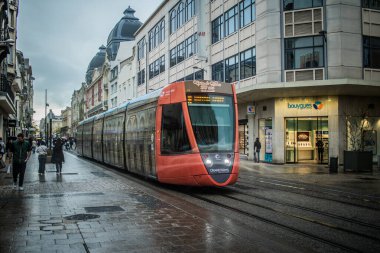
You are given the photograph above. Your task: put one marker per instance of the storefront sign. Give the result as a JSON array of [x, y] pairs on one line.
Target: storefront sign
[[318, 105], [251, 109]]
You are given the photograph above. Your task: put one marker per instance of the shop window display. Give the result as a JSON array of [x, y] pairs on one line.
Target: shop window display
[[307, 140]]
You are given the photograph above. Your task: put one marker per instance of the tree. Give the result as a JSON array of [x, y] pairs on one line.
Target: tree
[[359, 130]]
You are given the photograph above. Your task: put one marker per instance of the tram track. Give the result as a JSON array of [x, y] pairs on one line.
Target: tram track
[[307, 186], [274, 223], [303, 191], [301, 217], [339, 217], [262, 218]]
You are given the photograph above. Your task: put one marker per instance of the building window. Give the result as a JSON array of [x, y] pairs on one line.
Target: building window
[[141, 77], [180, 15], [162, 64], [183, 50], [190, 9], [248, 63], [162, 31], [199, 75], [99, 91], [218, 71], [191, 47], [247, 12], [371, 52], [156, 35], [232, 69], [304, 52], [371, 4], [10, 56], [157, 67], [301, 4], [231, 21], [141, 49], [217, 29], [151, 41], [180, 52], [114, 73], [173, 57], [173, 21]]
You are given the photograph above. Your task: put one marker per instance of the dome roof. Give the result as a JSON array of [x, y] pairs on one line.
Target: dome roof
[[123, 31], [96, 62]]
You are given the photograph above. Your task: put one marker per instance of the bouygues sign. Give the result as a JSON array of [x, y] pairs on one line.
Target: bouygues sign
[[318, 105]]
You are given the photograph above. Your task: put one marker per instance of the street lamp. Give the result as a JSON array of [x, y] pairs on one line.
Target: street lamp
[[46, 130], [196, 67]]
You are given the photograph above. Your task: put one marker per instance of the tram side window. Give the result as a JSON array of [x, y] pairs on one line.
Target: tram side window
[[174, 137]]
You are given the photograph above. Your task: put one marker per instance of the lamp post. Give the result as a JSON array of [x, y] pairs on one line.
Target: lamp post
[[46, 129]]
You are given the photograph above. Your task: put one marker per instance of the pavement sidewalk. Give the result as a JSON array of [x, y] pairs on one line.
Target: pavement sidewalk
[[91, 209]]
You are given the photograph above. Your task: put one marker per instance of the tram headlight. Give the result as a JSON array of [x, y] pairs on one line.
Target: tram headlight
[[208, 162], [227, 162]]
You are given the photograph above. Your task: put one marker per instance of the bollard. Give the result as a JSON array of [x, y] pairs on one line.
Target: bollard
[[333, 168]]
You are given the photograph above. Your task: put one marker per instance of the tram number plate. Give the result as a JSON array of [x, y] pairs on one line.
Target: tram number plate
[[219, 171]]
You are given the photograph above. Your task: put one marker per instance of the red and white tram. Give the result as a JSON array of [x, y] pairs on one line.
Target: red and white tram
[[185, 133]]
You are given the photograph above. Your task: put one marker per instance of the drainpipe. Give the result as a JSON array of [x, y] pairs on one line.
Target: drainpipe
[[282, 41], [325, 39]]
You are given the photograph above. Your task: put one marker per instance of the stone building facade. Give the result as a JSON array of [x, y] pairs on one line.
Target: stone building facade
[[296, 66]]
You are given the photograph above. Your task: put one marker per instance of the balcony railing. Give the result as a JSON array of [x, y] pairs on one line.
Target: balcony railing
[[6, 87]]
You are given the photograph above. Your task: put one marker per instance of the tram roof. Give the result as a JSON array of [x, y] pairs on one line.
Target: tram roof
[[145, 99], [110, 112], [87, 120]]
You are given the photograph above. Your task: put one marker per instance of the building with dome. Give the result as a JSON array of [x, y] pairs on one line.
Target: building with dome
[[96, 63], [94, 93], [123, 31], [120, 55]]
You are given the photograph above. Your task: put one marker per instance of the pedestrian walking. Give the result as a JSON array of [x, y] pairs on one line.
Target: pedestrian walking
[[8, 159], [34, 145], [256, 150], [58, 156], [2, 151], [20, 152], [42, 153], [321, 149]]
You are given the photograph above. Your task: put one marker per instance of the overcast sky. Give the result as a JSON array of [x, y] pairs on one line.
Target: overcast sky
[[60, 37]]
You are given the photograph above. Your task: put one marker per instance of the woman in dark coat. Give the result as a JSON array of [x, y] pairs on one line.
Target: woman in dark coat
[[58, 155]]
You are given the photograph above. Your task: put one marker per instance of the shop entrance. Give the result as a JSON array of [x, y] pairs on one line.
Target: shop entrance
[[306, 140]]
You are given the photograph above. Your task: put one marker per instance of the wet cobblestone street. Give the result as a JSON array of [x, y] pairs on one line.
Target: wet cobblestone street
[[93, 208], [130, 220]]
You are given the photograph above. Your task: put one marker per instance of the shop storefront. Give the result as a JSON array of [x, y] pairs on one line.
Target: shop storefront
[[243, 136], [266, 140], [311, 129], [306, 140]]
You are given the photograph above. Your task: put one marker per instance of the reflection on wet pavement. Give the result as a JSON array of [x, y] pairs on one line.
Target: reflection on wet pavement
[[87, 209]]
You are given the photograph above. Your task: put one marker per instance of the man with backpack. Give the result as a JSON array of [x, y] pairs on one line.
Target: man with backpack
[[256, 150], [20, 151]]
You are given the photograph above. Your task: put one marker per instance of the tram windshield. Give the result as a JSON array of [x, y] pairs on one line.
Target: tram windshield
[[212, 119]]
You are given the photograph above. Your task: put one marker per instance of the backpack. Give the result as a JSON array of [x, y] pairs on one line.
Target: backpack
[[2, 147]]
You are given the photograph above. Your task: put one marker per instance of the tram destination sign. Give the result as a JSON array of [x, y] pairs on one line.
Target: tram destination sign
[[198, 86]]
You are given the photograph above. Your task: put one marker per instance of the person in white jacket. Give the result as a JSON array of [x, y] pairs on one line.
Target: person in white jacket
[[42, 153]]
